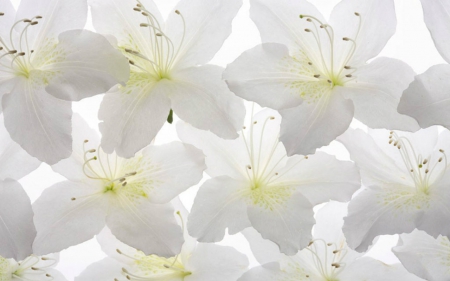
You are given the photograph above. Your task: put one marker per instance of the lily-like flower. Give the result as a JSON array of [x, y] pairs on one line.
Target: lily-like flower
[[315, 72], [424, 255], [32, 268], [195, 262], [46, 62], [168, 70], [254, 183], [407, 184], [17, 230], [131, 196], [327, 257], [426, 99]]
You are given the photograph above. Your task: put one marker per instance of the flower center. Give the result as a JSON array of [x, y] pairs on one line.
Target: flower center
[[153, 267], [33, 268], [327, 67], [162, 53], [327, 259], [15, 53], [423, 170], [5, 269]]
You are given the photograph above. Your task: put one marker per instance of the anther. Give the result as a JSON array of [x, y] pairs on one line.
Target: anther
[[307, 30], [86, 141], [329, 81], [317, 75], [131, 62], [255, 122], [330, 244], [34, 23], [39, 17], [73, 199], [310, 20], [122, 179], [306, 157], [441, 151], [244, 127], [34, 268], [391, 141], [347, 67], [425, 161], [139, 5], [399, 146], [348, 75], [118, 251], [145, 14], [336, 265], [357, 14], [158, 34], [346, 39], [391, 132], [27, 20], [272, 118], [124, 270], [310, 243], [48, 275], [12, 52], [2, 14], [276, 174], [177, 12], [249, 167], [142, 25], [412, 170], [137, 9], [124, 184], [426, 171], [395, 143], [310, 63], [440, 159]]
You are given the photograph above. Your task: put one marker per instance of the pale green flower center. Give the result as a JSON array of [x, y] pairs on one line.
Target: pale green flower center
[[321, 67], [158, 60], [119, 176], [32, 268], [424, 171], [327, 259], [18, 59], [263, 167], [6, 270]]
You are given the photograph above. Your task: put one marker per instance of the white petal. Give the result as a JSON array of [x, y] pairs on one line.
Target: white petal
[[15, 163], [389, 209], [265, 251], [132, 120], [58, 16], [56, 275], [426, 99], [219, 205], [376, 93], [105, 270], [279, 22], [17, 230], [320, 177], [213, 262], [376, 165], [206, 28], [437, 19], [369, 269], [223, 157], [91, 66], [62, 222], [265, 74], [285, 221], [72, 167], [167, 170], [151, 228], [37, 121], [267, 272], [310, 126], [200, 97], [376, 16], [424, 255], [117, 17]]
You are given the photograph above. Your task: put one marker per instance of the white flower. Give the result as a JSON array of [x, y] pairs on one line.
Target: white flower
[[426, 99], [17, 230], [315, 73], [425, 256], [195, 262], [255, 184], [44, 64], [407, 184], [168, 70], [32, 268], [327, 258], [131, 196]]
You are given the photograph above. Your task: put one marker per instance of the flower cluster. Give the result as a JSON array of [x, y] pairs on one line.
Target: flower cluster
[[250, 137]]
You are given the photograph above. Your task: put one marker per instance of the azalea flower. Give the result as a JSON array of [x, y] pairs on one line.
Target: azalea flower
[[254, 183], [169, 73], [426, 99], [33, 268], [424, 255], [195, 262], [17, 230], [407, 184], [315, 73], [46, 61], [327, 258], [131, 196]]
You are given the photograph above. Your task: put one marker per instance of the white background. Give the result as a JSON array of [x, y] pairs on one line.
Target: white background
[[412, 44]]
